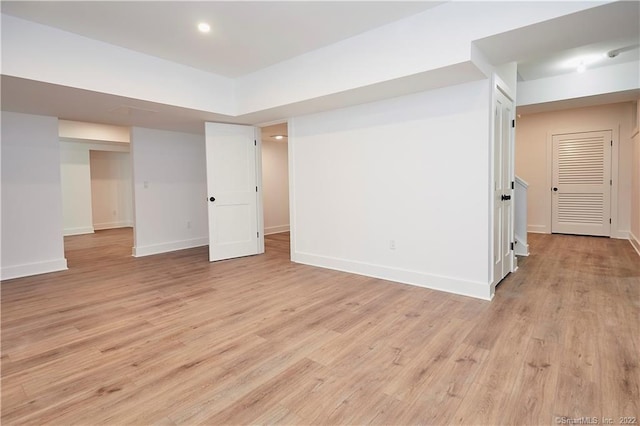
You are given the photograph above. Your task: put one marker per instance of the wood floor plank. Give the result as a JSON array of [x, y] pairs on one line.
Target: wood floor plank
[[172, 339]]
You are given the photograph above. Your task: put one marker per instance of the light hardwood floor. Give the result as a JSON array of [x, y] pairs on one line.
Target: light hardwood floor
[[172, 339]]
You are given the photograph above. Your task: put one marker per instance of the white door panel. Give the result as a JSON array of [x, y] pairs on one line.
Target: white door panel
[[232, 187], [503, 193], [581, 192]]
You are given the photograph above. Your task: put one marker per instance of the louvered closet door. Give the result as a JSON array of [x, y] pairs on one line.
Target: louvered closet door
[[581, 192]]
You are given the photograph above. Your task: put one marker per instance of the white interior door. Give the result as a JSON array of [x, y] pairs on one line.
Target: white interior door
[[581, 183], [503, 237], [232, 184]]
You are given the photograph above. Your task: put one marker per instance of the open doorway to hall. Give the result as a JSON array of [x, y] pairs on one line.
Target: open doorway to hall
[[275, 183], [97, 196]]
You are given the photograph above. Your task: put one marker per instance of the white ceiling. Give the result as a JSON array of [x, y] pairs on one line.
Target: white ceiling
[[245, 36]]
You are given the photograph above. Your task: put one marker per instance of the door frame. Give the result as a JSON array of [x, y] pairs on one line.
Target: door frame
[[499, 85], [598, 127]]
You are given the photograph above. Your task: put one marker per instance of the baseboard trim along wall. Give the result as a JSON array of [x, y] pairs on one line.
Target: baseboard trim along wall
[[168, 247], [78, 231], [478, 290], [276, 229], [635, 242], [112, 225], [537, 229], [28, 269]]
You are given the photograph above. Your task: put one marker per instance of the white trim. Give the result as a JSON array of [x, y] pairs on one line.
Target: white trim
[[538, 229], [78, 231], [28, 269], [112, 225], [635, 242], [458, 286], [276, 229], [291, 155], [168, 247], [257, 135], [620, 235], [521, 249]]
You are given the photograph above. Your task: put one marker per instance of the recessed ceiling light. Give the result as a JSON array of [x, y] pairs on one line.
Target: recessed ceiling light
[[203, 27], [278, 137]]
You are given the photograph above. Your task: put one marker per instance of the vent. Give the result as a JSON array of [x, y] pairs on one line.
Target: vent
[[581, 162], [581, 208]]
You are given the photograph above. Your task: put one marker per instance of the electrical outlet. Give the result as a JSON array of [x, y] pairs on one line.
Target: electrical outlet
[[392, 244]]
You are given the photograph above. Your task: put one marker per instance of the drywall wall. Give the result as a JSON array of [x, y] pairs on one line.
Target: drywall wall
[[397, 189], [533, 160], [634, 235], [170, 191], [75, 181], [32, 241], [111, 189], [68, 129], [275, 186], [593, 82], [404, 48], [437, 38], [39, 52]]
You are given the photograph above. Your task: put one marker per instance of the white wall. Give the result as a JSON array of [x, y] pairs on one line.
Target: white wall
[[170, 191], [404, 48], [39, 52], [533, 159], [111, 189], [68, 129], [75, 180], [414, 170], [275, 185], [592, 82], [32, 241], [635, 180]]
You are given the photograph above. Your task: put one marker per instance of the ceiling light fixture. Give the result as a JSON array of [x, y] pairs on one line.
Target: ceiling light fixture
[[203, 27], [278, 137], [581, 63]]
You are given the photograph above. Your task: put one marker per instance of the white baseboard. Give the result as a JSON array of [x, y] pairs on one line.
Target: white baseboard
[[478, 290], [635, 242], [78, 231], [112, 225], [28, 269], [621, 235], [141, 251], [538, 229], [276, 229], [521, 249]]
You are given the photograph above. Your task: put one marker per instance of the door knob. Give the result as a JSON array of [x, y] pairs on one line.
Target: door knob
[[212, 199], [555, 189], [506, 197]]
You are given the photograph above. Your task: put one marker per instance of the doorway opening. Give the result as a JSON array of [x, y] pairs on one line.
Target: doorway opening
[[275, 184], [97, 197]]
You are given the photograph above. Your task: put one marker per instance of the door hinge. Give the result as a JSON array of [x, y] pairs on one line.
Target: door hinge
[[609, 220], [611, 143], [513, 185], [610, 182], [256, 189], [258, 234], [255, 142], [511, 246], [513, 123]]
